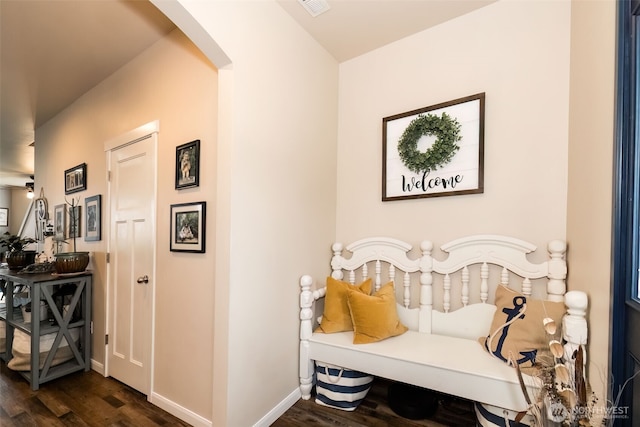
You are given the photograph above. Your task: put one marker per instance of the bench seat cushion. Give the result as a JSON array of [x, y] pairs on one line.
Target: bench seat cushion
[[456, 366]]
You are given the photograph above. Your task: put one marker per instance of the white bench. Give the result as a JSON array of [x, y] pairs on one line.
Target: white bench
[[441, 351]]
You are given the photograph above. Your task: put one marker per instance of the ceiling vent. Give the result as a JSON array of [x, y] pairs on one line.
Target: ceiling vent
[[315, 7]]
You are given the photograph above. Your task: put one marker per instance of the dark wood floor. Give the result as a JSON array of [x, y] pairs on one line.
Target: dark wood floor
[[374, 411], [89, 399], [80, 399]]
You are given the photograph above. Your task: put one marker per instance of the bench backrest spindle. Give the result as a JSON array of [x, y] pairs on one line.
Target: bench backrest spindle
[[484, 281], [526, 287], [446, 299], [465, 286], [556, 288]]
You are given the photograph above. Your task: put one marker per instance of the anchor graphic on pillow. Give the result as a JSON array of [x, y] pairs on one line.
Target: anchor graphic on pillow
[[518, 304]]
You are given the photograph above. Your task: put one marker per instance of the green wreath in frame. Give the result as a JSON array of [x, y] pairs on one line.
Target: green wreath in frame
[[445, 128]]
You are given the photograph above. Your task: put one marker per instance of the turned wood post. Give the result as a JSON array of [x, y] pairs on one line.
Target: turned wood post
[[426, 287], [336, 261], [306, 329], [556, 287], [574, 332], [574, 323]]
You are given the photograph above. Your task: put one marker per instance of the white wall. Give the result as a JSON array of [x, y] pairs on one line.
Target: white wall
[[518, 54]]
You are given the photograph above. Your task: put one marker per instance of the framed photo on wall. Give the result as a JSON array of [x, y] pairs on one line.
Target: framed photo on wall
[[4, 217], [188, 165], [93, 218], [188, 232], [75, 214], [434, 151], [59, 222], [75, 179]]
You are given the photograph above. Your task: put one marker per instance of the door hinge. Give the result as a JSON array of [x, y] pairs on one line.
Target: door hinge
[[91, 327], [106, 339], [108, 257], [108, 176]]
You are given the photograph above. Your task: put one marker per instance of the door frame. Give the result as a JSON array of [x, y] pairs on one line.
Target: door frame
[[145, 131], [626, 212]]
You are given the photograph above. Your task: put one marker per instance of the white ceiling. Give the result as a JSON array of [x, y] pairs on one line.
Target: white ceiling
[[353, 27], [52, 52]]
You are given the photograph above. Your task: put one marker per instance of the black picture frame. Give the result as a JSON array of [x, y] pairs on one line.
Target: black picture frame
[[410, 171], [188, 165], [188, 227], [75, 179], [93, 218]]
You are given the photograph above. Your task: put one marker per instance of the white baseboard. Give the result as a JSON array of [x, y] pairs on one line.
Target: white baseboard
[[98, 367], [162, 402], [176, 410], [196, 420], [280, 409]]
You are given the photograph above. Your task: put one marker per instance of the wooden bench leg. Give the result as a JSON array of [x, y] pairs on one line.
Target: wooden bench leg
[[306, 371], [305, 387]]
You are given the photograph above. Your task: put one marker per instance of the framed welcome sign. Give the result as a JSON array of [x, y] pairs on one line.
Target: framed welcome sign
[[434, 151]]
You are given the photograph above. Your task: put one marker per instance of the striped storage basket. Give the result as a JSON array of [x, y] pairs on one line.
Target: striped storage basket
[[341, 388]]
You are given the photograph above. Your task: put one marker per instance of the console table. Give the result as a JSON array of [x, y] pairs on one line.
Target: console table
[[76, 314]]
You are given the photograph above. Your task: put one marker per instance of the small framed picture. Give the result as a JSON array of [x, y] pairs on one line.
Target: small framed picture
[[75, 179], [188, 227], [4, 217], [93, 218], [59, 222], [188, 165], [74, 221]]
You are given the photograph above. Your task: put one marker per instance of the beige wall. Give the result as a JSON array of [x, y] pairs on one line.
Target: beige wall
[[591, 140], [171, 82], [501, 50], [276, 198], [548, 137]]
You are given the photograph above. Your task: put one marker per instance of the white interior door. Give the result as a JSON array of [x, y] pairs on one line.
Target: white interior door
[[131, 262]]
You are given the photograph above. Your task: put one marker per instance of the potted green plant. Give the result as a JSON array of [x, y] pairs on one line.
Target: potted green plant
[[72, 262], [16, 255]]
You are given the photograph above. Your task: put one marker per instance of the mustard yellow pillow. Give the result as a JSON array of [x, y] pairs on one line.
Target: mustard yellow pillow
[[336, 316], [374, 317], [525, 339]]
